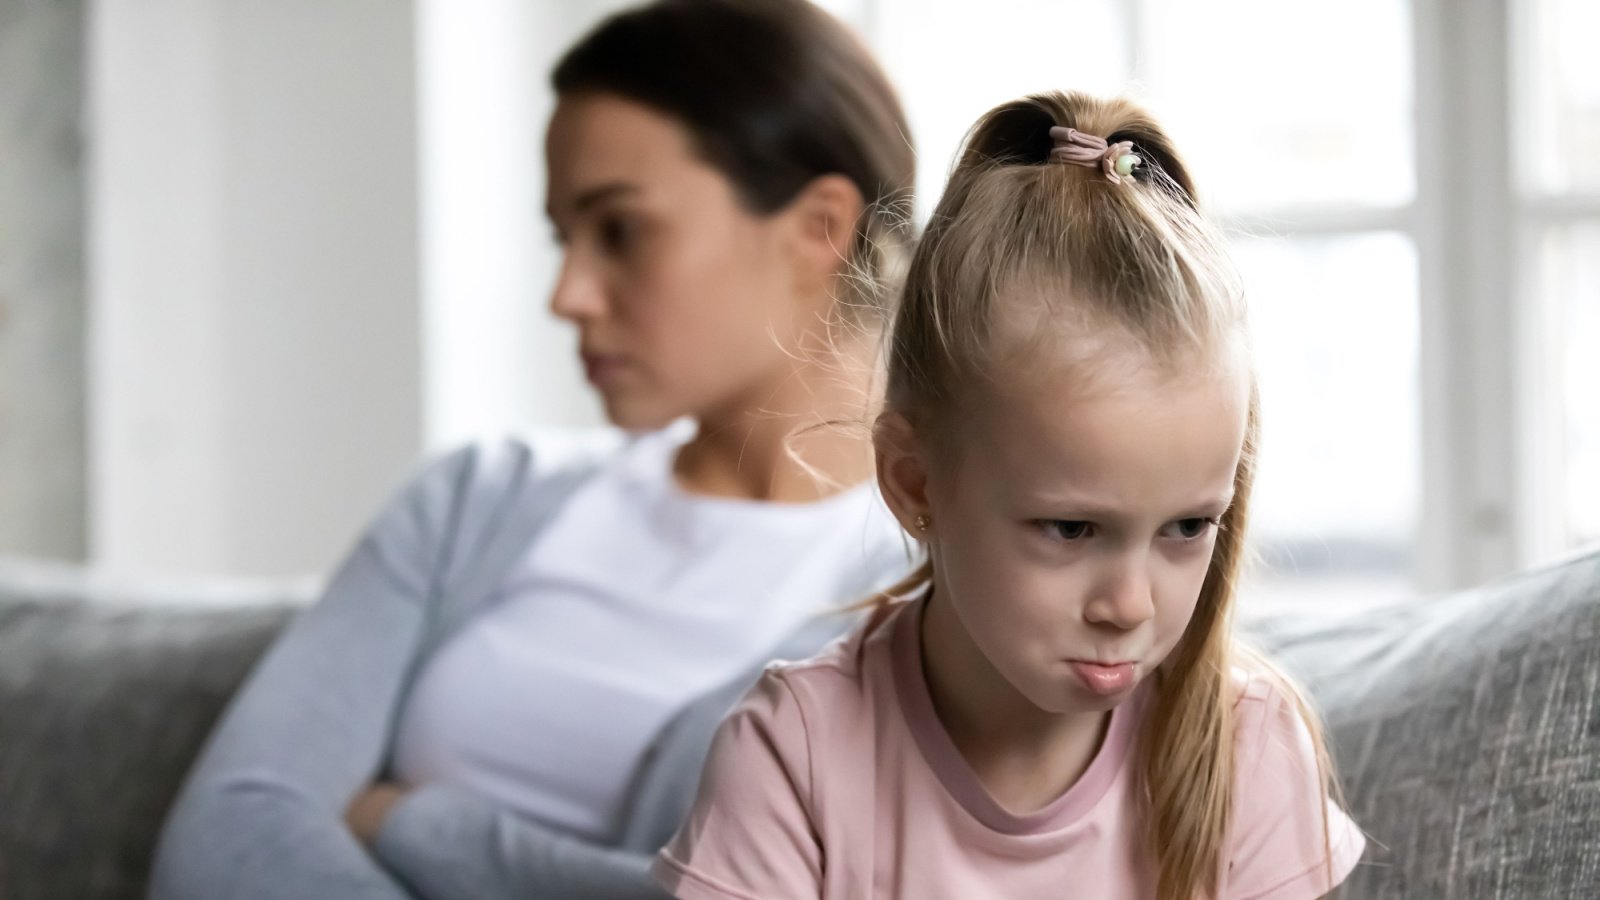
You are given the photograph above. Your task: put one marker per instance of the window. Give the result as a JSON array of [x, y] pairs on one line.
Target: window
[[1569, 262], [1559, 178], [1414, 191], [1310, 160], [1424, 278]]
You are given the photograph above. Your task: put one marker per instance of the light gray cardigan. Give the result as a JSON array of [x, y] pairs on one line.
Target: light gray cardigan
[[262, 813]]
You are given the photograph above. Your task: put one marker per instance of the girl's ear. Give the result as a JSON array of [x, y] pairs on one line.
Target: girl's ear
[[902, 471]]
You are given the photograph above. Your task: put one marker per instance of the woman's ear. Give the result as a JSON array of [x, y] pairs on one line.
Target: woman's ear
[[824, 215], [902, 472]]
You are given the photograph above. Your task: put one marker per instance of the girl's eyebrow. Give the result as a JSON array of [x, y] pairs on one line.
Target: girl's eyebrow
[[1098, 510], [1220, 503]]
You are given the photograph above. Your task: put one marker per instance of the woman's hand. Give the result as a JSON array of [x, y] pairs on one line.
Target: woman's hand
[[370, 807]]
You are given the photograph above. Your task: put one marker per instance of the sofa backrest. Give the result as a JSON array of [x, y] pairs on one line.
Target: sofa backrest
[[104, 702], [1467, 733], [1466, 727]]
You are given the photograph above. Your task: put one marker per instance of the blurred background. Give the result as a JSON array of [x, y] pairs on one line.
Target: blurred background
[[257, 257]]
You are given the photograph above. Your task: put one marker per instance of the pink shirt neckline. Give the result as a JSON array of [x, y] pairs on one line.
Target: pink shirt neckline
[[953, 770]]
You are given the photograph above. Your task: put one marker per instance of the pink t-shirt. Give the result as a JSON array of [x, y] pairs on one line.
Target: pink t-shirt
[[834, 779]]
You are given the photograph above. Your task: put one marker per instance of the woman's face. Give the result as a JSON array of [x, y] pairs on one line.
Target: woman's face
[[685, 302]]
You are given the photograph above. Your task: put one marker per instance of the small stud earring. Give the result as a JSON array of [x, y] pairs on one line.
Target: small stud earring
[[923, 521]]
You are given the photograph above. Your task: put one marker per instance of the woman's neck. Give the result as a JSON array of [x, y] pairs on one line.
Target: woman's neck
[[798, 438], [1025, 756]]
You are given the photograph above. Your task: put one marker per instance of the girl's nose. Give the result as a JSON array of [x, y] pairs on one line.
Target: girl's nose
[[1122, 598]]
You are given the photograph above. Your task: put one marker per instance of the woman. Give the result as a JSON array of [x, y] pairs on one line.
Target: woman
[[510, 683]]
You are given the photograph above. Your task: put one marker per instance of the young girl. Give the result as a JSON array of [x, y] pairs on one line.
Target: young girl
[[1062, 711]]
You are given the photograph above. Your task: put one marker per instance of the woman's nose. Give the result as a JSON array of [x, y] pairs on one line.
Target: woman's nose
[[578, 294]]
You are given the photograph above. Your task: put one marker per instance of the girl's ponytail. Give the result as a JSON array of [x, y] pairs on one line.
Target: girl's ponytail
[[1018, 133]]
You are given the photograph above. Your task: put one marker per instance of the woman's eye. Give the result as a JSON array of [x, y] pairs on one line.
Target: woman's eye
[[1068, 529], [617, 234], [1191, 529]]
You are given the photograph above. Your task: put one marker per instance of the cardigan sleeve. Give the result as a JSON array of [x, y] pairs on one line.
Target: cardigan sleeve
[[448, 844], [261, 815]]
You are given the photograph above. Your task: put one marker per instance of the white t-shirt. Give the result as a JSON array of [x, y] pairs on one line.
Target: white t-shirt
[[634, 600]]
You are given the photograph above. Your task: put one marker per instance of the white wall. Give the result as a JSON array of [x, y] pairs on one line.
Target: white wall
[[43, 505], [318, 249], [256, 363], [494, 355]]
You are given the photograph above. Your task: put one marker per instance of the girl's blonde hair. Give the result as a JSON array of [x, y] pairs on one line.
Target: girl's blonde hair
[[1020, 245]]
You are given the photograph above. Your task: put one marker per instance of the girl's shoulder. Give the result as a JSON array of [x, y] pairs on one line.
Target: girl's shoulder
[[846, 665], [822, 701], [1273, 721], [1290, 838], [1255, 686], [1266, 701]]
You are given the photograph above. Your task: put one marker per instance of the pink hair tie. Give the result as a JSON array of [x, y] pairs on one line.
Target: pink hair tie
[[1073, 146]]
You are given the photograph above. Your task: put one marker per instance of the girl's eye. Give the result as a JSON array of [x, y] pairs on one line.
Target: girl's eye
[[1191, 529], [1068, 529]]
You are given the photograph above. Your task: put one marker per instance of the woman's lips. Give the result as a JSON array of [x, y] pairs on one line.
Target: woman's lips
[[1103, 678], [601, 369]]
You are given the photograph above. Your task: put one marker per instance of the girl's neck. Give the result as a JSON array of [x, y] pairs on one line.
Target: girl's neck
[[800, 438], [1024, 756]]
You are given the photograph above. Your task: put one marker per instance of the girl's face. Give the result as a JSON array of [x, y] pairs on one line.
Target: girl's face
[[685, 303], [1073, 522]]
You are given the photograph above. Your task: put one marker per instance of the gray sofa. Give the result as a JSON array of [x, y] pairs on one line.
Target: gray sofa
[[1467, 727], [1467, 731]]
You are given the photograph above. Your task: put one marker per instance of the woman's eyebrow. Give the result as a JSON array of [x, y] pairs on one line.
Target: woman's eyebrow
[[594, 196]]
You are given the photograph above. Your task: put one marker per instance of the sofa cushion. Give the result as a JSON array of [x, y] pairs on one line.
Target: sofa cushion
[[106, 695], [1467, 734]]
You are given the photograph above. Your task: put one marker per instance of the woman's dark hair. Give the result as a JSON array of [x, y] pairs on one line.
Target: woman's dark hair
[[775, 93]]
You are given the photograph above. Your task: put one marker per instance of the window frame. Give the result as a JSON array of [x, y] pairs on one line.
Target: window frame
[[1491, 479]]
